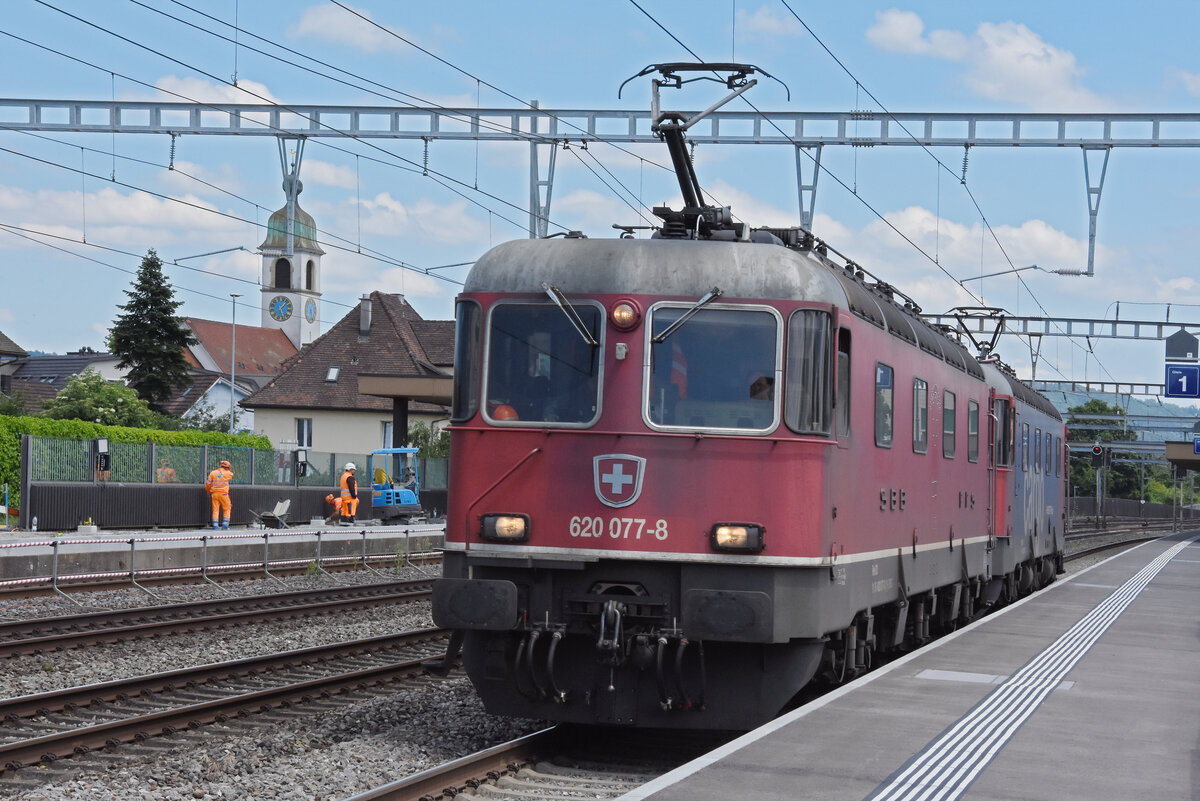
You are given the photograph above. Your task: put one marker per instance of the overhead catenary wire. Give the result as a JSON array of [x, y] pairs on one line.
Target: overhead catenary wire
[[380, 258], [836, 178], [217, 107], [931, 154], [531, 137], [301, 115]]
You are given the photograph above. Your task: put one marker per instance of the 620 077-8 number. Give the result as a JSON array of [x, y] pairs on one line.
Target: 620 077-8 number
[[618, 528]]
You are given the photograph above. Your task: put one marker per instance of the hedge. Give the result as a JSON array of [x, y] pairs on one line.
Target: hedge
[[11, 429]]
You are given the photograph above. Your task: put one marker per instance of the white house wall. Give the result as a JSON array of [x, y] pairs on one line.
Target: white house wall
[[332, 431]]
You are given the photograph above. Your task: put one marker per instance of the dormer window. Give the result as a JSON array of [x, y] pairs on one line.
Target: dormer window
[[331, 377]]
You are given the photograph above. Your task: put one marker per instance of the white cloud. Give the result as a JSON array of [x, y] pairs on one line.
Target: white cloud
[[136, 220], [1191, 82], [767, 22], [201, 91], [898, 31], [384, 215], [321, 172], [1004, 61], [332, 24]]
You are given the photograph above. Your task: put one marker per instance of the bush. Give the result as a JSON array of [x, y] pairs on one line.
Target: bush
[[12, 428]]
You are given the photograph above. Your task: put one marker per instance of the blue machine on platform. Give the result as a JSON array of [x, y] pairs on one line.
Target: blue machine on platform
[[395, 485]]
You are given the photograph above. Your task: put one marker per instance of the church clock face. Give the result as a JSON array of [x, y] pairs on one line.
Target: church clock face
[[280, 308], [310, 310]]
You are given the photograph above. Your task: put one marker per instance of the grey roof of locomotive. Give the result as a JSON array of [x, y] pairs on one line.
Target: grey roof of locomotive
[[690, 268]]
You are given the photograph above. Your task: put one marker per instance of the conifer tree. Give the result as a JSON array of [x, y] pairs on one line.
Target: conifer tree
[[149, 338]]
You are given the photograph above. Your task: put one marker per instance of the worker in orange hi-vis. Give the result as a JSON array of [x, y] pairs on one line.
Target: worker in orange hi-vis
[[218, 489], [349, 495], [336, 503]]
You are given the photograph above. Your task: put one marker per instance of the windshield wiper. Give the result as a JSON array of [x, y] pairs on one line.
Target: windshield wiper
[[708, 298], [560, 300]]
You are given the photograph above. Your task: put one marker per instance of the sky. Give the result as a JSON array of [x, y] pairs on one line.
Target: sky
[[70, 243]]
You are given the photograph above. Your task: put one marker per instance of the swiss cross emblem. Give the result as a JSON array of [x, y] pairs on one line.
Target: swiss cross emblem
[[618, 478]]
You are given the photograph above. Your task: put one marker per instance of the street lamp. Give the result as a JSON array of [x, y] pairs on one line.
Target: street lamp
[[233, 296]]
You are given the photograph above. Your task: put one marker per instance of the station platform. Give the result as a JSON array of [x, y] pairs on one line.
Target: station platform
[[1086, 691], [29, 560]]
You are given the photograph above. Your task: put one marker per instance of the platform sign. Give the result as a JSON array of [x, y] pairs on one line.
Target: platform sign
[[1196, 444], [1183, 381]]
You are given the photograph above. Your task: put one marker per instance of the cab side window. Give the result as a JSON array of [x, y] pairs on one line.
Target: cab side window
[[920, 416], [972, 431], [884, 397], [949, 424], [843, 383]]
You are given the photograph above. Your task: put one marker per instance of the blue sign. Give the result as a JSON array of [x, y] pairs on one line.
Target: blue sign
[[1183, 381], [1196, 444]]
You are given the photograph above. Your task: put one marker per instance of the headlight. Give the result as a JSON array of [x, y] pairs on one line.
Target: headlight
[[625, 315], [505, 528], [743, 537]]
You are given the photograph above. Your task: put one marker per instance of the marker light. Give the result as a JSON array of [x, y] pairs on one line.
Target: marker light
[[505, 528], [740, 537], [625, 315]]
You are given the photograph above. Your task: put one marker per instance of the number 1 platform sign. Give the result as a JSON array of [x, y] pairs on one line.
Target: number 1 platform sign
[[1183, 381]]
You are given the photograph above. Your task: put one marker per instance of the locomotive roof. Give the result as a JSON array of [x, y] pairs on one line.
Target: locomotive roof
[[1001, 378], [683, 268], [690, 268]]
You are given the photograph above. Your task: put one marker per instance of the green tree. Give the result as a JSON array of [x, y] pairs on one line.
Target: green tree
[[149, 338], [1124, 480], [431, 446], [89, 397]]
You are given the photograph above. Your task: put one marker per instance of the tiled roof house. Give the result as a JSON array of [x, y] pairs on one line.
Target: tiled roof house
[[317, 400]]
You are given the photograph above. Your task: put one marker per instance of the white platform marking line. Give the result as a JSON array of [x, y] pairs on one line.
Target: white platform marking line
[[951, 762]]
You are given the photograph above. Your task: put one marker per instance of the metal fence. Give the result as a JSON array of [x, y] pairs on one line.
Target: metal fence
[[1131, 507], [150, 463]]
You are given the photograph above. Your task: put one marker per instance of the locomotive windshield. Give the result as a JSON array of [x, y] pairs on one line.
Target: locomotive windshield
[[717, 370], [540, 369]]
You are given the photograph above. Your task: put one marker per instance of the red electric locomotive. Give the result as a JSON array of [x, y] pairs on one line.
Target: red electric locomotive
[[690, 474]]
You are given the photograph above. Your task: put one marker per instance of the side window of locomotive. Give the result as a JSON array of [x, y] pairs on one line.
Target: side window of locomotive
[[468, 347], [972, 431], [949, 424], [884, 391], [717, 370], [1037, 450], [1025, 447], [843, 383], [920, 416], [540, 369], [808, 399], [1049, 454], [1058, 449]]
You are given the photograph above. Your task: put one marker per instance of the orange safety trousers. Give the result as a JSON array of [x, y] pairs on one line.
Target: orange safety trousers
[[221, 503]]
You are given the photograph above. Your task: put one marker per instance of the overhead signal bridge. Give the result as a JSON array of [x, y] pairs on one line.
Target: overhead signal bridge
[[547, 129]]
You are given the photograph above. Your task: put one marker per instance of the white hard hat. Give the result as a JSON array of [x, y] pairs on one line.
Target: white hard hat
[[350, 466]]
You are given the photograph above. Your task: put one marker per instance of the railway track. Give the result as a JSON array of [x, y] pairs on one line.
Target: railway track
[[41, 729], [555, 763], [88, 628]]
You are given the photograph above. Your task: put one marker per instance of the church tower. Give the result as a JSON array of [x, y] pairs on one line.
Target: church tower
[[291, 270]]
